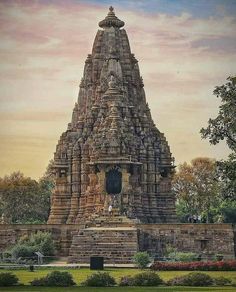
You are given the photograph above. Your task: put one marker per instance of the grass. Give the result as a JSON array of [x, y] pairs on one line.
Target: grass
[[79, 275], [118, 289]]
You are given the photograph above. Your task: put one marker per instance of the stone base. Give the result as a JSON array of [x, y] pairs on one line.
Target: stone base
[[117, 245], [206, 240], [114, 237]]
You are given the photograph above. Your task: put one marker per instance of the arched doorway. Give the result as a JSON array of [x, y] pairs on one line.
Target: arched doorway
[[113, 181]]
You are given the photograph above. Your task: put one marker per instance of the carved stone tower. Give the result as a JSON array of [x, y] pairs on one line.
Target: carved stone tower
[[112, 153]]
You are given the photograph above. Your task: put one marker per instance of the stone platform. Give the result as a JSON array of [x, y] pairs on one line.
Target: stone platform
[[117, 245], [126, 237]]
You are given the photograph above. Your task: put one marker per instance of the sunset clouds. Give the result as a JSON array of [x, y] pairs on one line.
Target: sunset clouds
[[182, 55]]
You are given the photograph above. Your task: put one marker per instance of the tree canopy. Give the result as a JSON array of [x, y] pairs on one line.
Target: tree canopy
[[196, 187], [224, 125], [24, 200]]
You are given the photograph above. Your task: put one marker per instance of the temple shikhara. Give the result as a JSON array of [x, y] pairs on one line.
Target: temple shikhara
[[112, 154], [113, 171]]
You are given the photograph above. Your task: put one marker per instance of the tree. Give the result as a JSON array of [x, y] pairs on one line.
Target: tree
[[227, 211], [49, 173], [24, 200], [142, 259], [196, 187], [224, 125], [227, 174]]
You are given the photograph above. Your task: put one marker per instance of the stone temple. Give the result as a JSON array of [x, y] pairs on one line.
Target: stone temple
[[112, 153]]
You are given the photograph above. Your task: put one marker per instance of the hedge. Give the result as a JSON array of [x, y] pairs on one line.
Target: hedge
[[229, 265]]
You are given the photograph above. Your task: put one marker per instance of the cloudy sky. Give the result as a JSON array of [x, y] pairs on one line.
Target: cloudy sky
[[184, 47]]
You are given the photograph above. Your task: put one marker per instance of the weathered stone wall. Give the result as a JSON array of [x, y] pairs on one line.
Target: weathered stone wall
[[205, 239], [62, 234]]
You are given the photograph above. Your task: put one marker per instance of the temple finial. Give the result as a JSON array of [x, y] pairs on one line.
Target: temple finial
[[111, 20]]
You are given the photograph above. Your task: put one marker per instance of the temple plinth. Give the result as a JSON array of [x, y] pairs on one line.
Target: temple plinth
[[112, 153]]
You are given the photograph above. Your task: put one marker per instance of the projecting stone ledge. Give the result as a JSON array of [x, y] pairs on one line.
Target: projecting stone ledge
[[111, 228]]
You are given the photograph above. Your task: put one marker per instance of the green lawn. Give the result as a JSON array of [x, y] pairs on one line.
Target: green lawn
[[79, 275], [118, 289]]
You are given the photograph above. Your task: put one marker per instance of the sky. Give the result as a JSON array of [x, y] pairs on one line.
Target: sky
[[184, 47]]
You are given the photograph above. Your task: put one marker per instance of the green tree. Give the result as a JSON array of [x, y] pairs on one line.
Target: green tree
[[197, 188], [24, 200], [49, 173], [142, 259], [223, 127], [227, 211], [227, 174]]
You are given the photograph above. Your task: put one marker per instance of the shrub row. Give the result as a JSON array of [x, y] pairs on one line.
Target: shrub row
[[199, 280], [183, 256], [104, 279], [192, 279], [195, 266]]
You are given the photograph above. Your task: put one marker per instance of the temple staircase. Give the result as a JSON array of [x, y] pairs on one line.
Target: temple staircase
[[114, 238]]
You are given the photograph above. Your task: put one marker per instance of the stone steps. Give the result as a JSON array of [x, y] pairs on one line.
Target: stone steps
[[113, 221], [116, 244]]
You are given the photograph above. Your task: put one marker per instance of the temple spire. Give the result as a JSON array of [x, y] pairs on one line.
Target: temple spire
[[111, 20], [112, 128]]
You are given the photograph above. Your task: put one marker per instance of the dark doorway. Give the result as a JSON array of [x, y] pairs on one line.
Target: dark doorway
[[113, 181]]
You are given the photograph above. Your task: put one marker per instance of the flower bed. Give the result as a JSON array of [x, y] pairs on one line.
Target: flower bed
[[229, 265]]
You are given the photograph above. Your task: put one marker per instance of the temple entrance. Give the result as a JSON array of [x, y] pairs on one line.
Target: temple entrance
[[113, 181]]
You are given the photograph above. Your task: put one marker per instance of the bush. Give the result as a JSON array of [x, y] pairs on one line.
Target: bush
[[183, 256], [23, 250], [141, 259], [198, 279], [44, 242], [8, 279], [192, 279], [41, 241], [28, 245], [195, 266], [55, 278], [222, 281], [218, 257], [147, 279], [126, 281], [100, 279]]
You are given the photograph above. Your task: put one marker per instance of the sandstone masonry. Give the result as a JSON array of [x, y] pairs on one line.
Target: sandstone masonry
[[205, 239], [112, 153]]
